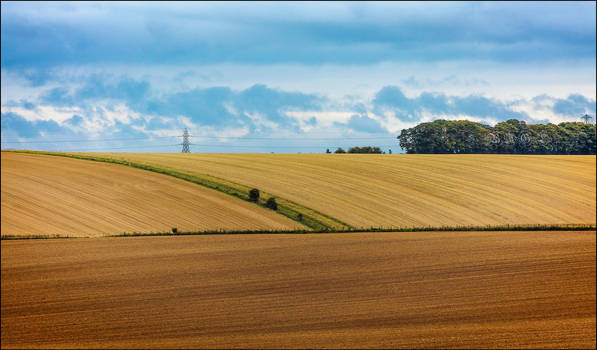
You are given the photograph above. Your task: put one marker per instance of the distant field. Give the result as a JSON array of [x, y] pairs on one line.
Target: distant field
[[45, 195], [380, 290], [410, 190]]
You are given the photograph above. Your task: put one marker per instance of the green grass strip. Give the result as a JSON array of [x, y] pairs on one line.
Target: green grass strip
[[309, 217]]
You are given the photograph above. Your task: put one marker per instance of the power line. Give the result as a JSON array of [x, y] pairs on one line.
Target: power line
[[88, 140], [186, 143], [280, 146], [219, 146], [301, 138], [127, 147], [207, 137]]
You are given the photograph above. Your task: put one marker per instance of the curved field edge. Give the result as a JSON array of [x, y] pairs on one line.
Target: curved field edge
[[408, 190], [503, 228], [311, 218], [45, 195]]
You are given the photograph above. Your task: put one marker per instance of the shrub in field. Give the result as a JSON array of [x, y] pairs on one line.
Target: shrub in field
[[271, 203], [366, 149], [174, 230], [300, 217], [340, 150], [254, 195]]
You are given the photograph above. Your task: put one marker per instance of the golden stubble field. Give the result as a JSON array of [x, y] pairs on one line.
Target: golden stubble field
[[367, 190], [381, 290], [46, 195]]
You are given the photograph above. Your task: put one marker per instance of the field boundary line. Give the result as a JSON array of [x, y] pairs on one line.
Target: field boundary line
[[21, 237], [501, 228], [496, 228], [311, 218]]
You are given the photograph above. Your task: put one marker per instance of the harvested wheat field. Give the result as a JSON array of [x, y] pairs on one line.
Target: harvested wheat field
[[367, 190], [381, 290], [46, 195]]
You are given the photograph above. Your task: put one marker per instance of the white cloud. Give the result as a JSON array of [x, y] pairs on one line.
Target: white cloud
[[393, 124], [186, 121], [260, 121], [540, 109], [120, 113], [57, 114], [323, 117]]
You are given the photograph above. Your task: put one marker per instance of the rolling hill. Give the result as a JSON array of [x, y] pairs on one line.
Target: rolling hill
[[409, 190], [46, 195]]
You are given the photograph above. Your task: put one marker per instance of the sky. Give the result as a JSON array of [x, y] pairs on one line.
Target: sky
[[284, 77]]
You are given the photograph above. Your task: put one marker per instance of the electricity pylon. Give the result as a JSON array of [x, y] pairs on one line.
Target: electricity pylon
[[185, 141]]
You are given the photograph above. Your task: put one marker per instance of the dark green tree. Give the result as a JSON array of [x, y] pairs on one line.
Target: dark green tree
[[365, 149], [254, 195], [271, 203], [509, 137]]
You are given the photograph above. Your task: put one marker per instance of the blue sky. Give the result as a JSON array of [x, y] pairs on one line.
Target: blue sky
[[283, 76]]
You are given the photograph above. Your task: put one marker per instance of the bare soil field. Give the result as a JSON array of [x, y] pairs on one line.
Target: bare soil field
[[46, 195], [381, 290], [365, 190]]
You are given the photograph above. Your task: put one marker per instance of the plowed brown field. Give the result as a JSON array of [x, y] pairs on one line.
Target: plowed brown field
[[46, 195], [382, 290], [367, 190]]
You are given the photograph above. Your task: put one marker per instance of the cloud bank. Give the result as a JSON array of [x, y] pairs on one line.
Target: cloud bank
[[284, 77], [310, 33], [126, 108]]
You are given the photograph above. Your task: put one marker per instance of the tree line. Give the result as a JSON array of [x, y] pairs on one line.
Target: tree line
[[356, 149], [509, 137]]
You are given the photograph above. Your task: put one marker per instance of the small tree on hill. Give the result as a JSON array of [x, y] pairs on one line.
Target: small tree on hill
[[340, 150], [254, 195], [271, 203]]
